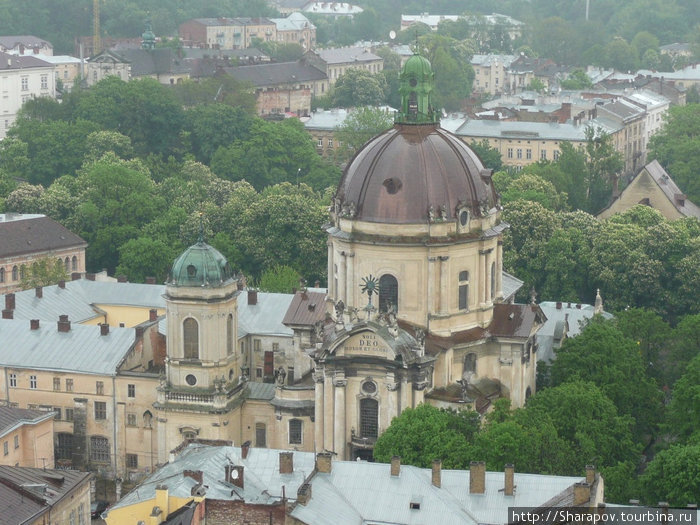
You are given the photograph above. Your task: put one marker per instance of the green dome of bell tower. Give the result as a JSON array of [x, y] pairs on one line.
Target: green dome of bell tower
[[416, 82]]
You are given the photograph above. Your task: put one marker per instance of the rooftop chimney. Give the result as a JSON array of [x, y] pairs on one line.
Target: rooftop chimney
[[61, 284], [34, 324], [39, 291], [286, 462], [75, 276], [582, 493], [477, 477], [7, 314], [244, 449], [121, 278], [63, 323], [395, 465], [234, 475], [152, 314], [252, 297], [90, 276], [324, 462], [590, 474], [509, 489], [10, 301], [150, 280], [558, 305], [104, 328], [304, 494], [437, 471]]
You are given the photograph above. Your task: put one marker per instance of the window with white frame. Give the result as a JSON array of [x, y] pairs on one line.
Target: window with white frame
[[13, 380], [32, 382]]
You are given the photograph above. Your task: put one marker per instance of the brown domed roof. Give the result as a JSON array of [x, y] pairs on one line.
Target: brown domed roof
[[398, 176]]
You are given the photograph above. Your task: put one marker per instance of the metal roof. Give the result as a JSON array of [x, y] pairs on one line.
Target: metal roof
[[12, 418], [522, 130], [361, 492], [510, 285], [265, 317], [262, 481], [78, 299], [274, 74], [82, 349], [22, 234], [343, 55], [261, 391]]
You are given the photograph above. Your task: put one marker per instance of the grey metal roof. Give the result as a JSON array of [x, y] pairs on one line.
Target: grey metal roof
[[550, 335], [9, 42], [261, 391], [294, 22], [23, 234], [265, 317], [262, 481], [81, 350], [153, 61], [12, 418], [510, 285], [521, 130], [76, 300], [48, 484], [344, 55], [10, 61], [273, 74], [326, 119], [360, 492], [668, 186]]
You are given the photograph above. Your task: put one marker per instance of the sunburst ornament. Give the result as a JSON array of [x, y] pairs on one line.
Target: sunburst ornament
[[370, 286]]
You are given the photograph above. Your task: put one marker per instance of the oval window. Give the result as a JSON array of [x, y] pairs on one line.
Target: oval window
[[191, 379], [463, 217], [369, 387]]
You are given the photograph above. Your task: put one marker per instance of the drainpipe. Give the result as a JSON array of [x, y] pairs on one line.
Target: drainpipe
[[114, 423]]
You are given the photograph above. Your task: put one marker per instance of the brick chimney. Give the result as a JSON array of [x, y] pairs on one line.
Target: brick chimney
[[150, 280], [252, 297], [234, 475], [90, 276], [62, 284], [7, 314], [39, 292], [244, 449], [436, 473], [153, 315], [10, 301], [121, 278], [582, 493], [104, 328], [63, 323], [590, 474], [509, 489], [324, 462], [34, 324], [75, 276], [194, 474], [477, 477], [286, 462], [304, 494], [395, 465]]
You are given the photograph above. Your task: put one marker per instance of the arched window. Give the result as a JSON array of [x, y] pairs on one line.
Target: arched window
[[229, 335], [295, 431], [99, 449], [2, 275], [369, 418], [74, 263], [15, 273], [463, 290], [493, 280], [388, 293], [66, 263], [22, 271], [64, 446], [190, 336], [147, 419]]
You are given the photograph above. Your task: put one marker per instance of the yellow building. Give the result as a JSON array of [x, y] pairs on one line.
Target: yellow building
[[26, 437]]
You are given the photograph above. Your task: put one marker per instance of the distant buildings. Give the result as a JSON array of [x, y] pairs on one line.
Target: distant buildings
[[334, 62], [27, 238], [25, 45], [479, 24]]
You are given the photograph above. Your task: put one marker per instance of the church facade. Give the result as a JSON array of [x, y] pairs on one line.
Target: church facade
[[414, 310]]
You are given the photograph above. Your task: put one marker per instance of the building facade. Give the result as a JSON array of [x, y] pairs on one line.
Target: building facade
[[26, 437]]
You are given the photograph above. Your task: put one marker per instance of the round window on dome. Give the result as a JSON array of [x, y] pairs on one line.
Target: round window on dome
[[463, 217], [392, 185], [191, 380], [369, 387], [191, 270]]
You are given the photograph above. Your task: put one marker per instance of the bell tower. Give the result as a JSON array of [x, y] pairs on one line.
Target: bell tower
[[416, 88]]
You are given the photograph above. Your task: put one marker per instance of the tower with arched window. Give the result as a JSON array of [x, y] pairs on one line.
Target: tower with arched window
[[417, 210], [202, 372]]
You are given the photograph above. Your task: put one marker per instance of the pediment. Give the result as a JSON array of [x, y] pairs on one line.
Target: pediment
[[366, 343]]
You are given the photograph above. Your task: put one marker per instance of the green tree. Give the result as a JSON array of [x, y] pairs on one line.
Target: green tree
[[650, 332], [100, 142], [145, 257], [359, 87], [673, 476], [420, 435], [577, 80], [677, 147], [534, 188], [620, 55], [603, 355], [536, 85], [491, 157], [682, 420], [361, 125], [604, 164], [215, 125], [43, 272], [279, 279]]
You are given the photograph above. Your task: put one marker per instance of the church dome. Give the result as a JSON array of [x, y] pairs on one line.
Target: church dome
[[415, 172], [412, 171], [200, 265]]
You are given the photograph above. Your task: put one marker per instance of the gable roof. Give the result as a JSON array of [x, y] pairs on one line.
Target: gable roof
[[12, 418], [305, 309], [274, 74], [671, 190], [24, 234], [10, 61], [10, 42], [153, 61], [515, 320], [343, 55]]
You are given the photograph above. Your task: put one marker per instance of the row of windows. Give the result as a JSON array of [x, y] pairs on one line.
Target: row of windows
[[6, 445], [18, 272], [99, 385]]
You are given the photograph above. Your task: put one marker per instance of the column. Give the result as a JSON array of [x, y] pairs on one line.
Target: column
[[350, 279], [319, 415], [499, 269], [328, 413], [331, 274], [487, 269], [340, 438], [443, 284], [391, 409], [481, 275], [430, 300]]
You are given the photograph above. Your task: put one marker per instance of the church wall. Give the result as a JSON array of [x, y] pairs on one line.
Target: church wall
[[254, 413], [129, 315]]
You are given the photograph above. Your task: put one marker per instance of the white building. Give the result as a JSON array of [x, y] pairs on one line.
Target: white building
[[21, 78]]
